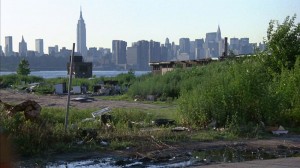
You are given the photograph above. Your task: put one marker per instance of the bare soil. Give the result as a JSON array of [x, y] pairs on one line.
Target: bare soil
[[60, 101]]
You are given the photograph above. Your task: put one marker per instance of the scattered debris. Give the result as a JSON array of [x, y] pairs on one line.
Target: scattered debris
[[88, 119], [76, 90], [83, 99], [104, 143], [212, 124], [86, 135], [151, 98], [31, 109], [163, 122], [60, 88], [180, 129], [101, 112], [280, 130], [106, 118]]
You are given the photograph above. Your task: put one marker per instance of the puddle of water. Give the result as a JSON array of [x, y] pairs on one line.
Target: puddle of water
[[200, 157], [240, 154]]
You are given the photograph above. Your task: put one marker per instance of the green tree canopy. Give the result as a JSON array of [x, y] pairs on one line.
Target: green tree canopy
[[23, 68], [283, 43]]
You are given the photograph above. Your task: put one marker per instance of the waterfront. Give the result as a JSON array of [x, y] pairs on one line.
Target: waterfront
[[56, 74]]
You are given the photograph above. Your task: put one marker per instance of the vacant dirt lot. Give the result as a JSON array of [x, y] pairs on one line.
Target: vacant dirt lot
[[153, 149], [60, 101]]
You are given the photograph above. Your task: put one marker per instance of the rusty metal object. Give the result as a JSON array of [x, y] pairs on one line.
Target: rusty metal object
[[31, 109]]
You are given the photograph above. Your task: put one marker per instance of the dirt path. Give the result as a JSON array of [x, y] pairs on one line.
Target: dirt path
[[60, 101]]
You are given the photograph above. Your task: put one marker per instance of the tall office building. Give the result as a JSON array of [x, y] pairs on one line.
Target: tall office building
[[23, 47], [81, 36], [219, 36], [213, 44], [168, 45], [245, 47], [52, 51], [132, 57], [199, 49], [8, 46], [184, 44], [142, 54], [234, 46], [119, 51], [1, 51], [154, 51], [39, 47]]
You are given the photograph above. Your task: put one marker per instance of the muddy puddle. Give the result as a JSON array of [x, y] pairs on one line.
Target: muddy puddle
[[195, 158]]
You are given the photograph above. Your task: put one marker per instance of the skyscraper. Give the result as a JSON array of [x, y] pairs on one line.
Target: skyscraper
[[23, 47], [119, 51], [8, 46], [81, 36], [184, 44], [154, 51], [214, 44], [199, 49], [219, 36], [1, 52], [39, 47]]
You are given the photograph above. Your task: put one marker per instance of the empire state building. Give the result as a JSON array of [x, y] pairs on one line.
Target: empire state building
[[81, 36]]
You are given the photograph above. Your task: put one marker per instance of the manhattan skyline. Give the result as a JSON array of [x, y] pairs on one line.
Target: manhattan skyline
[[134, 20]]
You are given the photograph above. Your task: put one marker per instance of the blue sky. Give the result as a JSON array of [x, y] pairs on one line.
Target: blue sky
[[132, 20]]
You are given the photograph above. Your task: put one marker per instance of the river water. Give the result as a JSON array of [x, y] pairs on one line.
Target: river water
[[56, 74]]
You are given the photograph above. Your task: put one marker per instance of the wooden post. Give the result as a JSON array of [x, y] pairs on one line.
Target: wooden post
[[69, 88]]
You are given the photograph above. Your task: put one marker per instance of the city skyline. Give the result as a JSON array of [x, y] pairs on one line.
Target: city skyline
[[135, 20]]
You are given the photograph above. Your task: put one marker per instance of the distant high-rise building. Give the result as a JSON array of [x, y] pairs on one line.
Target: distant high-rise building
[[199, 49], [168, 45], [214, 44], [52, 51], [154, 51], [119, 51], [132, 57], [245, 47], [234, 46], [81, 36], [219, 36], [8, 46], [175, 49], [163, 53], [143, 54], [23, 47], [39, 47], [192, 50], [1, 51], [184, 44]]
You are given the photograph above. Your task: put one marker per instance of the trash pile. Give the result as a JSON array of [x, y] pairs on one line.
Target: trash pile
[[30, 108]]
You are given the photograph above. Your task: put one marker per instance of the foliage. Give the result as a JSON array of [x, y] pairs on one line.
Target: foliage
[[14, 80], [283, 44], [23, 68]]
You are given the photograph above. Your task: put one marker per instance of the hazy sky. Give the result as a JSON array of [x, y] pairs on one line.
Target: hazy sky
[[132, 20]]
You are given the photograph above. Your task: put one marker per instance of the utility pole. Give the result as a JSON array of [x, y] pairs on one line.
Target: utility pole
[[69, 88]]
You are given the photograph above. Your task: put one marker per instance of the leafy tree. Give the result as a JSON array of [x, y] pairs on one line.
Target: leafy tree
[[23, 68], [283, 44]]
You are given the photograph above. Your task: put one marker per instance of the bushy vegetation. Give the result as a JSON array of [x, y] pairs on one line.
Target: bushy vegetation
[[14, 80], [48, 135], [47, 85], [23, 68], [241, 94]]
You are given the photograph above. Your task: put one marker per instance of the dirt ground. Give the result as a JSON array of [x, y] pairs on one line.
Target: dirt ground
[[60, 101]]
